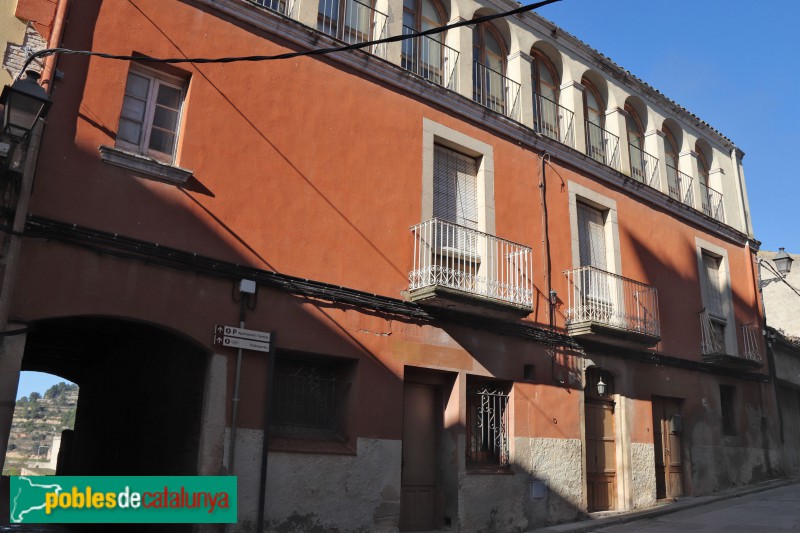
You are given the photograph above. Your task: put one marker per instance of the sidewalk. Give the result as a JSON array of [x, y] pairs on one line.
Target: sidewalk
[[610, 518]]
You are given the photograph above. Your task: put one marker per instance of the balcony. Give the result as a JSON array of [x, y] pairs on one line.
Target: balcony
[[553, 120], [279, 6], [712, 202], [644, 167], [602, 145], [431, 59], [611, 309], [459, 268], [353, 22], [714, 350], [493, 90], [680, 186]]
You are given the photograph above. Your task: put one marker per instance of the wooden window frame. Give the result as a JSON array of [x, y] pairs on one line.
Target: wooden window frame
[[156, 79]]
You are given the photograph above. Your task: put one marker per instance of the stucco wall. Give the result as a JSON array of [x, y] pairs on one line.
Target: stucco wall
[[780, 301], [643, 474], [502, 502], [320, 492]]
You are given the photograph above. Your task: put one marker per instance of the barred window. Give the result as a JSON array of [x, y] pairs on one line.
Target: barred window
[[487, 424], [309, 398]]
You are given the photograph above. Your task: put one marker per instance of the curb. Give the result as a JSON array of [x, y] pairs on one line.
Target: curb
[[592, 524]]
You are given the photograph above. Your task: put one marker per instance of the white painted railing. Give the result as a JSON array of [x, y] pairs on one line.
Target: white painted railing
[[493, 90], [553, 120], [712, 202], [598, 296], [680, 186], [428, 57], [353, 22], [750, 346], [644, 167], [467, 260]]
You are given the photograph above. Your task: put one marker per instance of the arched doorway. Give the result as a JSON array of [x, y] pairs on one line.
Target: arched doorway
[[601, 469], [141, 394]]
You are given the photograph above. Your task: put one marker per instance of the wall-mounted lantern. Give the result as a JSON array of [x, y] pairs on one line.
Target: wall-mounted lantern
[[24, 101]]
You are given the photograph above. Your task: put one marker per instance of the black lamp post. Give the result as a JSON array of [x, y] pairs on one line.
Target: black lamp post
[[24, 101], [783, 262]]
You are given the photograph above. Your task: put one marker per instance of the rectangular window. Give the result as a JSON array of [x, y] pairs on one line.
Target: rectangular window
[[716, 320], [309, 398], [455, 187], [151, 114], [487, 424], [727, 398]]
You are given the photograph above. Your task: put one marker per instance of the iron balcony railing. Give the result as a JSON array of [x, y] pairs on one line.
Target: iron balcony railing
[[712, 202], [601, 297], [602, 145], [431, 59], [353, 22], [680, 185], [467, 260], [493, 90], [712, 334], [279, 6], [644, 167], [750, 333], [553, 120]]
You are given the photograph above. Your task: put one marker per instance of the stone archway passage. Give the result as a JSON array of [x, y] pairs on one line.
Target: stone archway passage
[[141, 394]]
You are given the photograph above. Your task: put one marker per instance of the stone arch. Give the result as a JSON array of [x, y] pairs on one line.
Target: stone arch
[[142, 393]]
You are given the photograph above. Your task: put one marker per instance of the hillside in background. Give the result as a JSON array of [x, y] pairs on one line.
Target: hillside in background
[[37, 419]]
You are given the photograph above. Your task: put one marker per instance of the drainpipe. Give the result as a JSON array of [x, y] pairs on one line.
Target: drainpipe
[[551, 295], [50, 62], [246, 288]]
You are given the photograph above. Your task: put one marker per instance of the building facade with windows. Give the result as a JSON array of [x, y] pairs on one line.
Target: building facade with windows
[[508, 282]]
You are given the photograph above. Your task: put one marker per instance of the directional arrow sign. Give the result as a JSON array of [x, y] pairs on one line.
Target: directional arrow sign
[[231, 331], [245, 344]]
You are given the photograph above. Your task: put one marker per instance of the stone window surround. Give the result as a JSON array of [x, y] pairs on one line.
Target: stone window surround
[[580, 193], [704, 247], [433, 134]]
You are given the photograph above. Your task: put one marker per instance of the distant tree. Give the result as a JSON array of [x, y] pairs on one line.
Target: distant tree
[[24, 399], [12, 446], [35, 396]]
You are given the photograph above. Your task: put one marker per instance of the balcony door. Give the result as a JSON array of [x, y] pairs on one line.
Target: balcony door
[[595, 284]]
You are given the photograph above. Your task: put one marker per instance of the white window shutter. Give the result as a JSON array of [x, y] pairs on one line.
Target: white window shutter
[[455, 187], [711, 269], [591, 237]]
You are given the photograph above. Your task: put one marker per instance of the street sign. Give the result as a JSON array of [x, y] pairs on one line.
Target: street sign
[[231, 331], [246, 344], [246, 339]]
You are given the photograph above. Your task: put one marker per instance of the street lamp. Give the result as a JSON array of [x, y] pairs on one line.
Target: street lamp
[[24, 101], [783, 262], [601, 387]]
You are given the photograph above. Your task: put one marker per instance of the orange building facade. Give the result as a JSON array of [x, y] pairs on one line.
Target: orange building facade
[[507, 284]]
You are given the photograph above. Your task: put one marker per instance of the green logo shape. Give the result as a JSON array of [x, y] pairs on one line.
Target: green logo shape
[[123, 499]]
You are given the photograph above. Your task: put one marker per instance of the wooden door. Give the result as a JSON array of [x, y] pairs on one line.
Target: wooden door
[[600, 456], [420, 426], [667, 429]]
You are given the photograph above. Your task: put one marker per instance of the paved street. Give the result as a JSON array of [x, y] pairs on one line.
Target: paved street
[[771, 510]]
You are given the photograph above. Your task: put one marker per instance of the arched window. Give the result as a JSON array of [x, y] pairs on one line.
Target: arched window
[[545, 96], [635, 132], [424, 56], [679, 186], [594, 112], [702, 167], [489, 68], [670, 149]]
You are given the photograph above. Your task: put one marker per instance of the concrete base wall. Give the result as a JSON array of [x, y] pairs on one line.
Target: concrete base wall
[[716, 468], [309, 492], [643, 475], [545, 487]]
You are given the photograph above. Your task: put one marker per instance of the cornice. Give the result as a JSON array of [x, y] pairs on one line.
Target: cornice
[[388, 73]]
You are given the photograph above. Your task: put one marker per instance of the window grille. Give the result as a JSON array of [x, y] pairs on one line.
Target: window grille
[[307, 399], [487, 426]]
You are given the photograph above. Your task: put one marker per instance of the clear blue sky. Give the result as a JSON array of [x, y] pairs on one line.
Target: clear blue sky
[[734, 64], [36, 382]]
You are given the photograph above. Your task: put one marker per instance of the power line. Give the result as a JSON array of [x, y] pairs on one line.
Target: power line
[[289, 55]]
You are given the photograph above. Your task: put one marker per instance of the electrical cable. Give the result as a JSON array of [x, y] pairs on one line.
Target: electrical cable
[[289, 55], [779, 276]]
